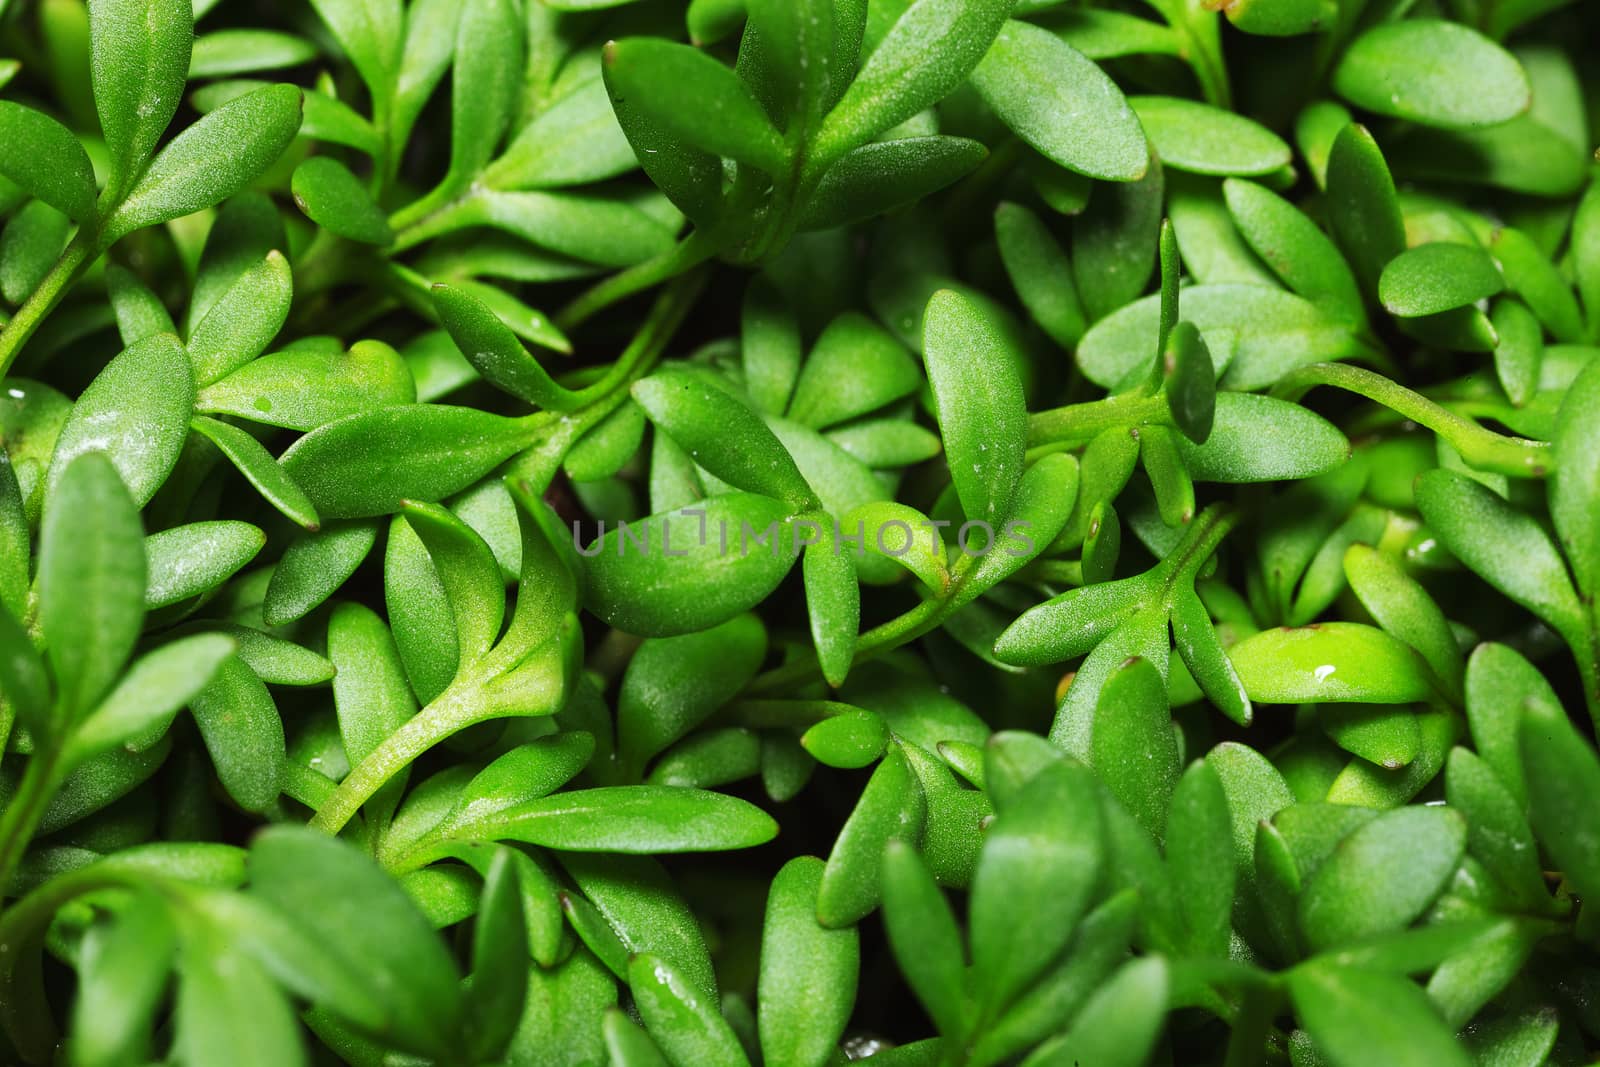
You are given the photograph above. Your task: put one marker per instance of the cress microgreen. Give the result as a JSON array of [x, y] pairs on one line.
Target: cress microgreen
[[959, 533]]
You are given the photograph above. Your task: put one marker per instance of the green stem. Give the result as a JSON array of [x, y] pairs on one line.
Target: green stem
[[1484, 449], [21, 818], [44, 299], [448, 715], [1081, 422], [692, 250]]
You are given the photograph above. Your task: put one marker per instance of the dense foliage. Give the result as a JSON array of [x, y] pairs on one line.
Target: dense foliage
[[784, 531]]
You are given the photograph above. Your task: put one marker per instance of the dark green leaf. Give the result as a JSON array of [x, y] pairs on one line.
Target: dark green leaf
[[91, 581], [211, 160], [690, 569], [367, 464], [806, 990], [140, 59], [47, 161], [1467, 80], [695, 99], [336, 200], [1437, 277], [136, 411], [1061, 103], [981, 410]]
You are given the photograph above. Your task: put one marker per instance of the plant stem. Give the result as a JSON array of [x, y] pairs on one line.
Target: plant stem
[[21, 818], [1484, 449], [694, 249], [44, 299], [450, 714], [1080, 422]]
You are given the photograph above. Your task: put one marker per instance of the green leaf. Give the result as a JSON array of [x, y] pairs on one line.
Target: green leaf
[[1574, 485], [1119, 1025], [1363, 208], [1035, 878], [1135, 752], [855, 367], [91, 581], [769, 346], [494, 999], [1561, 772], [366, 464], [243, 733], [892, 807], [1437, 277], [355, 911], [634, 819], [22, 677], [673, 684], [1505, 547], [369, 33], [695, 99], [47, 161], [123, 969], [1191, 382], [927, 53], [1468, 80], [229, 1011], [30, 245], [1061, 103], [1360, 1017], [978, 397], [259, 468], [1497, 831], [1299, 253], [243, 320], [273, 389], [1114, 243], [689, 177], [211, 160], [1383, 875], [1196, 137], [419, 612], [136, 411], [879, 177], [692, 568], [684, 1022], [924, 937], [1499, 683], [223, 52], [469, 573], [849, 739], [370, 693], [140, 59], [1283, 18], [833, 603], [1255, 335], [1403, 608], [1040, 272], [575, 141], [1198, 830], [807, 986], [155, 688], [485, 81], [193, 559], [629, 1046], [1331, 661], [1519, 350], [722, 435], [1261, 438], [333, 198], [313, 567]]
